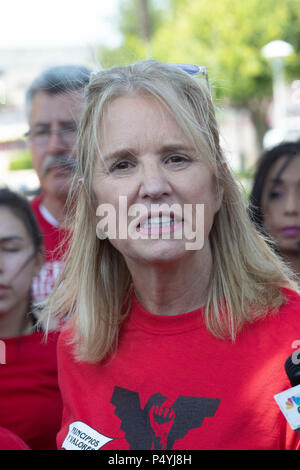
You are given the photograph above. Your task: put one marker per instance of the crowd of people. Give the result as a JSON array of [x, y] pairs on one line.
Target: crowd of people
[[146, 340]]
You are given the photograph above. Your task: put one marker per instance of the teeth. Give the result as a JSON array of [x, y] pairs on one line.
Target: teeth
[[157, 222]]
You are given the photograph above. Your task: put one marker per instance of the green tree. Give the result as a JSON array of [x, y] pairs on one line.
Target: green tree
[[137, 22], [227, 36]]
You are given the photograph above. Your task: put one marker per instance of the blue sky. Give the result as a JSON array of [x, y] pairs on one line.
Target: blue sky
[[54, 23]]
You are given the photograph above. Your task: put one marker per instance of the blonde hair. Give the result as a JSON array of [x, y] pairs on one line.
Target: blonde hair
[[95, 284]]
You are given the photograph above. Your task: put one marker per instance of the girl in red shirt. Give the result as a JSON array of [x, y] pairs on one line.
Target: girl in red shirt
[[30, 403]]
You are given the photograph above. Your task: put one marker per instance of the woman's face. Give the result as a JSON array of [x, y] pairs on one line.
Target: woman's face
[[281, 205], [149, 161], [18, 263]]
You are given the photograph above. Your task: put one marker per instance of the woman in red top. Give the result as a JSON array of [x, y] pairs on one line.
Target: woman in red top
[[30, 403], [173, 340]]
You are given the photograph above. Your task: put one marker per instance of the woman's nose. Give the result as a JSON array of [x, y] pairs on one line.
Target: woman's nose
[[291, 203], [154, 182]]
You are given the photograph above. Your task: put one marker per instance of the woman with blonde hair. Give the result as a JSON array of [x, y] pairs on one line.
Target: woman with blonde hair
[[174, 301]]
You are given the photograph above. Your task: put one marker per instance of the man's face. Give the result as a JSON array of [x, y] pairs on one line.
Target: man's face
[[53, 123]]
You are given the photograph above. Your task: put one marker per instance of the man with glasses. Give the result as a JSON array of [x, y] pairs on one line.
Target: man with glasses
[[53, 105]]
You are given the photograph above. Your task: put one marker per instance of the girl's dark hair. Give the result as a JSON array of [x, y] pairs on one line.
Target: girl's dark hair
[[265, 163], [20, 207]]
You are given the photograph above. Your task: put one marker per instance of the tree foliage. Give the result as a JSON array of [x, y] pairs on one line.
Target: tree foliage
[[225, 35], [134, 46]]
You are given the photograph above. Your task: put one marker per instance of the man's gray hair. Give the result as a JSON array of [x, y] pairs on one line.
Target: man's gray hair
[[59, 79]]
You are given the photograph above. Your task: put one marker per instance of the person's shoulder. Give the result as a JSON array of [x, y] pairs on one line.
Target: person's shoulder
[[39, 347], [65, 343], [10, 441], [289, 312], [292, 300]]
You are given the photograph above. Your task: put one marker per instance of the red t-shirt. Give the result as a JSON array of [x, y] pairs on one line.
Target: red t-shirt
[[55, 246], [172, 385], [10, 441], [30, 401]]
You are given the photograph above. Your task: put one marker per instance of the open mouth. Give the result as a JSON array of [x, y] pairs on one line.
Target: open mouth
[[159, 224]]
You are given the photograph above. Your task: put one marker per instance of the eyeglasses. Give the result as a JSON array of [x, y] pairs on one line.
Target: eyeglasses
[[42, 136], [194, 70]]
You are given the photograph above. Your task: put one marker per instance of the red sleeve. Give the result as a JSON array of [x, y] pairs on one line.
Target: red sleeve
[[10, 441]]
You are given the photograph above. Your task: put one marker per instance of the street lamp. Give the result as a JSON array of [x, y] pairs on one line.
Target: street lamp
[[275, 52]]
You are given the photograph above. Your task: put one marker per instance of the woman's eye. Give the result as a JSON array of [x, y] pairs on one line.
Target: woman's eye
[[275, 195], [10, 249], [121, 166], [177, 159]]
